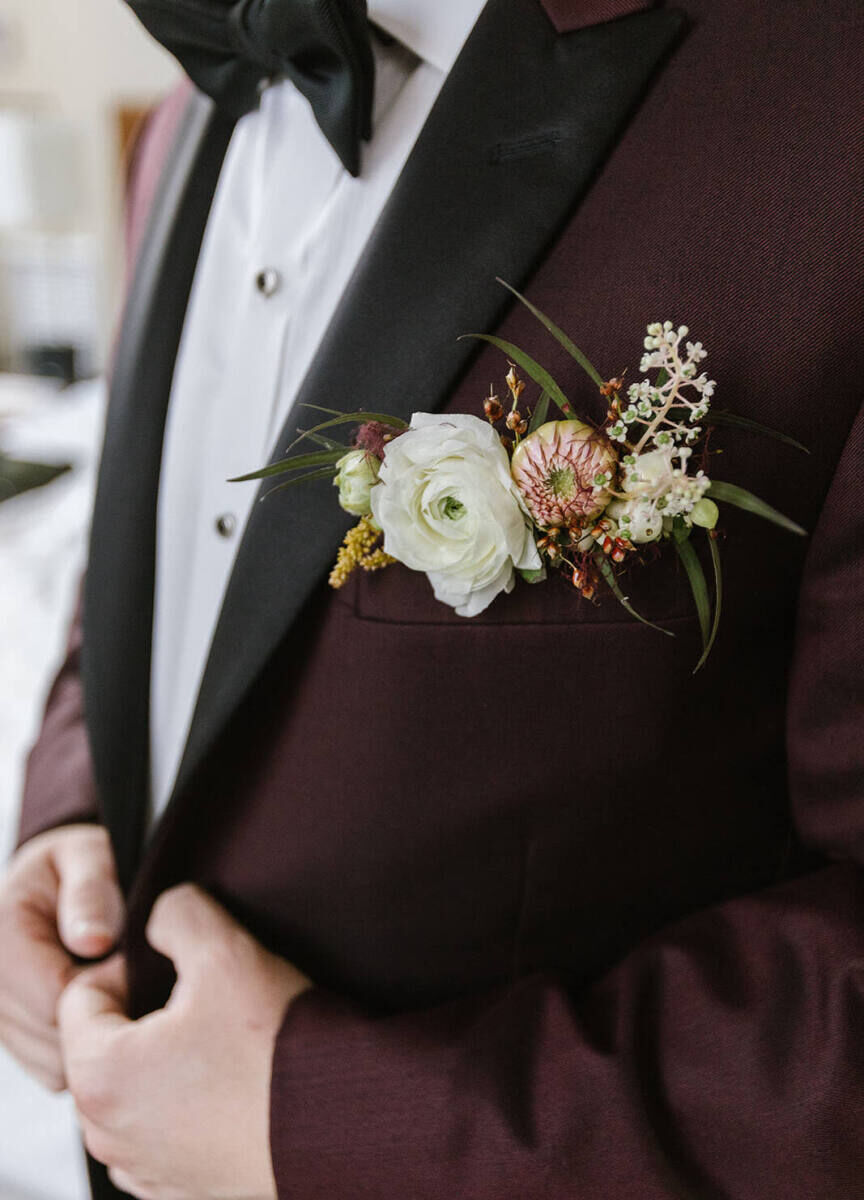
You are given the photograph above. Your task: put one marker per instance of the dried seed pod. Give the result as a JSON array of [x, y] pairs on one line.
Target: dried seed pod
[[514, 383], [493, 408]]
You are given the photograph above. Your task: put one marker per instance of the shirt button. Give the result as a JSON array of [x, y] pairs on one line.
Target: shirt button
[[268, 281], [226, 524]]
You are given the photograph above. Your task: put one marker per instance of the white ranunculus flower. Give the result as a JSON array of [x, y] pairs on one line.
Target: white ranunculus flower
[[448, 506]]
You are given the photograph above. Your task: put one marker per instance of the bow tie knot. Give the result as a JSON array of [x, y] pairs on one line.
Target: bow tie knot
[[322, 46], [249, 26]]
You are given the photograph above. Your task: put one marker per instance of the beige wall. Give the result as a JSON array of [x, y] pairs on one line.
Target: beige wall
[[81, 58]]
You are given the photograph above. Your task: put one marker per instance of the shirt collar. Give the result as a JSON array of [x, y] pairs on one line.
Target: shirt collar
[[435, 30]]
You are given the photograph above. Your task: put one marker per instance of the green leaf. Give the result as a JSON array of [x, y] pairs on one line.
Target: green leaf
[[741, 498], [609, 575], [529, 366], [699, 588], [297, 463], [722, 417], [718, 600], [355, 418], [327, 443], [323, 473], [680, 529], [560, 336], [359, 418], [537, 575], [540, 413]]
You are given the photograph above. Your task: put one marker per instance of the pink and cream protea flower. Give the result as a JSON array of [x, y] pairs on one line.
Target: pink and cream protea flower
[[564, 471]]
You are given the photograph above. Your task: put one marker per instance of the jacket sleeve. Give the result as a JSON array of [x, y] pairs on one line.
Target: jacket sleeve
[[722, 1059], [59, 787]]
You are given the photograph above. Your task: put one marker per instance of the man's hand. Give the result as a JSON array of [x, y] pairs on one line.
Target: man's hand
[[59, 898], [177, 1104]]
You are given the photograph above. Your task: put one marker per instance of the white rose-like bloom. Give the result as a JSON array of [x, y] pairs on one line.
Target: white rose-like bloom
[[448, 506]]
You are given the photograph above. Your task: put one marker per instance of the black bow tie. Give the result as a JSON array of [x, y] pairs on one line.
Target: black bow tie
[[227, 48]]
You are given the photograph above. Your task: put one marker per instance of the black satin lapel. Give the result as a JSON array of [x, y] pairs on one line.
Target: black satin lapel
[[524, 122], [118, 599]]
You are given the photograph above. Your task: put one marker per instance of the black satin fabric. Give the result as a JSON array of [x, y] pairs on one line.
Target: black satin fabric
[[228, 47]]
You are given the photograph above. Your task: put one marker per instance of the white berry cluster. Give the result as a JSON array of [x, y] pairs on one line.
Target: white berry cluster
[[667, 411]]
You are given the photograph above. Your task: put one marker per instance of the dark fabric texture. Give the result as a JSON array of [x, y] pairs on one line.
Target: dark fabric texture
[[567, 15], [228, 47], [584, 925]]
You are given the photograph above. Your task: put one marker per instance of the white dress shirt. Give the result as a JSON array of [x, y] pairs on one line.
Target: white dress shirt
[[286, 229]]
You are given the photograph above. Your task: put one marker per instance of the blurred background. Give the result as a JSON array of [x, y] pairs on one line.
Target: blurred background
[[77, 79]]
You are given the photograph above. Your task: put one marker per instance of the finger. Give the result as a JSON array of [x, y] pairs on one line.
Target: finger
[[39, 1055], [90, 907], [42, 971], [17, 1014], [94, 1003], [189, 927]]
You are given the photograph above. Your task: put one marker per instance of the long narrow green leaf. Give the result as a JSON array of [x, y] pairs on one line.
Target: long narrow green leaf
[[540, 413], [355, 418], [609, 575], [529, 366], [298, 463], [327, 443], [699, 588], [731, 493], [323, 473], [358, 418], [560, 336], [723, 417], [718, 600]]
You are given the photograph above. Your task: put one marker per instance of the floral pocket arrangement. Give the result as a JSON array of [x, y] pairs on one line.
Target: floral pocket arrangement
[[478, 502]]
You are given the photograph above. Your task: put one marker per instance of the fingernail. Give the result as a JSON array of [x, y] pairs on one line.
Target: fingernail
[[89, 928]]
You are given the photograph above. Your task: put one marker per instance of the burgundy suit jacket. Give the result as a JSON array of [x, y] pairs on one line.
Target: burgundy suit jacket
[[583, 925]]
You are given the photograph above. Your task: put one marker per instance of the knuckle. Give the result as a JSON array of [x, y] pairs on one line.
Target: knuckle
[[99, 1144], [95, 1096], [167, 906], [182, 895], [94, 1083], [54, 1081]]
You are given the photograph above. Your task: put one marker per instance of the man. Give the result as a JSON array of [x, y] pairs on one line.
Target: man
[[518, 907]]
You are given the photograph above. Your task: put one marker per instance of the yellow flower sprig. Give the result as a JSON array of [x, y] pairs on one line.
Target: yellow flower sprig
[[359, 549]]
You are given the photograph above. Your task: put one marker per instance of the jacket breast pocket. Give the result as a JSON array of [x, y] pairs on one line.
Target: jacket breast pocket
[[656, 588]]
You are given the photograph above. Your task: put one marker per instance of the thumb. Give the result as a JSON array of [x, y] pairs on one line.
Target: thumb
[[90, 907], [188, 926], [94, 1001]]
